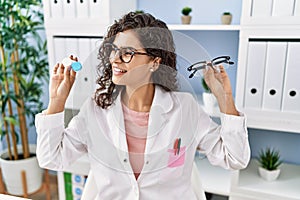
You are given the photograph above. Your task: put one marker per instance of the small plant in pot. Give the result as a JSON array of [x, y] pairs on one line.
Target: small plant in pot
[[226, 18], [269, 161], [186, 18], [209, 99]]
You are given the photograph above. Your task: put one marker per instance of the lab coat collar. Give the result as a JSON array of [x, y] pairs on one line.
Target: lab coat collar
[[161, 106], [162, 99]]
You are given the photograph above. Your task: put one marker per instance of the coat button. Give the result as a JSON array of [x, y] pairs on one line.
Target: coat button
[[147, 162], [125, 160]]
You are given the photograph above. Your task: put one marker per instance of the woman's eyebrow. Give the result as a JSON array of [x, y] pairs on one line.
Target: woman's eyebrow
[[126, 47]]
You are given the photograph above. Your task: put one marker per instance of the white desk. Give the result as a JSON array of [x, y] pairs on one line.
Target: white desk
[[9, 197]]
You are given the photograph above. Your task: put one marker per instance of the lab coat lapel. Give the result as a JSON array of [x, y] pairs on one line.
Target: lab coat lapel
[[161, 105], [117, 128]]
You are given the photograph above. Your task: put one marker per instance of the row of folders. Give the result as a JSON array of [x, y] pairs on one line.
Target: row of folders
[[273, 75], [94, 9], [265, 8]]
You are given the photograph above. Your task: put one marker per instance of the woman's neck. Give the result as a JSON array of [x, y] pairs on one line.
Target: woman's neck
[[139, 99]]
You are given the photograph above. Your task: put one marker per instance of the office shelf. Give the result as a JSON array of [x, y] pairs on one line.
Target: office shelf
[[251, 186], [246, 184], [196, 27]]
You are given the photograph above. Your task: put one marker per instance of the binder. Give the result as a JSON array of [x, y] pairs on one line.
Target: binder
[[255, 74], [297, 8], [83, 84], [274, 75], [69, 9], [291, 92], [82, 8], [283, 7], [56, 8], [95, 45], [99, 9], [59, 50], [71, 48], [261, 8]]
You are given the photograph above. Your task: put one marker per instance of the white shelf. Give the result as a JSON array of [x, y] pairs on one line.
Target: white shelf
[[272, 120], [287, 186], [214, 179], [196, 27]]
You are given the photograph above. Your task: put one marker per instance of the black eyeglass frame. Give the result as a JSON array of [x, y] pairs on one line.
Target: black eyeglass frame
[[131, 53], [215, 61]]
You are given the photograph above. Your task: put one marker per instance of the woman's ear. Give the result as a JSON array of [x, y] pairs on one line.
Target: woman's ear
[[157, 62]]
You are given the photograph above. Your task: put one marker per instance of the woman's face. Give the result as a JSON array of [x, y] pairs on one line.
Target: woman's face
[[135, 73]]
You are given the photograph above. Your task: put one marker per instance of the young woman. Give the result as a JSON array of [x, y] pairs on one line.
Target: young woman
[[139, 132]]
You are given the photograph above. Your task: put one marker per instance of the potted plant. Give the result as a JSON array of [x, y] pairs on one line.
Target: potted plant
[[186, 18], [24, 69], [269, 161], [226, 18], [209, 99], [139, 11]]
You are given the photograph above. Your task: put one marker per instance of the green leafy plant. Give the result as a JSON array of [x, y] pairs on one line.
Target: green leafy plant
[[139, 12], [205, 86], [269, 159], [226, 13], [186, 11], [24, 70]]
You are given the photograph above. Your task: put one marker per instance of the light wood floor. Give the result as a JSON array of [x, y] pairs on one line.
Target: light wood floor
[[41, 193]]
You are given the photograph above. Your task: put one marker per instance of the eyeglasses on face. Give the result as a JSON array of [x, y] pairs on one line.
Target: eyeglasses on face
[[125, 54], [214, 63]]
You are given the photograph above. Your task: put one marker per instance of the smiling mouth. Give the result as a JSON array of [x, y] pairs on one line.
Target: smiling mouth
[[119, 71]]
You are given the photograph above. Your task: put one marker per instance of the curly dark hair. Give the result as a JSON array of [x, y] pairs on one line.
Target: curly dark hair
[[156, 39]]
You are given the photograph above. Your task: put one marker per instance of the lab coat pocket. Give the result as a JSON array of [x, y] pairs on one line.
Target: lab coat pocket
[[175, 165]]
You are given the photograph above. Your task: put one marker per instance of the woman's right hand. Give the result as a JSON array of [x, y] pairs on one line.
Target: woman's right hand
[[62, 80]]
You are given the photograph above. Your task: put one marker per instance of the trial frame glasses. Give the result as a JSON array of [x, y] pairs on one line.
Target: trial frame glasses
[[212, 63], [125, 54]]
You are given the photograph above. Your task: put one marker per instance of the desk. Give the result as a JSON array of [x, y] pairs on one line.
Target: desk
[[9, 197]]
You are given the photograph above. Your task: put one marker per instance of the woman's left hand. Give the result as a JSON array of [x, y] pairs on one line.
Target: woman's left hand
[[217, 81], [219, 84]]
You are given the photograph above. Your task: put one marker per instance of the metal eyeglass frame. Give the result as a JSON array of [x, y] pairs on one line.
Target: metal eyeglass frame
[[215, 61], [120, 56]]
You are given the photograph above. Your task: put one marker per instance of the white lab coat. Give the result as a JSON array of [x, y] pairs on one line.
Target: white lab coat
[[100, 134]]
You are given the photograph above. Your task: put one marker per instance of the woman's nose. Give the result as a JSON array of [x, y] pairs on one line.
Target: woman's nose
[[115, 57]]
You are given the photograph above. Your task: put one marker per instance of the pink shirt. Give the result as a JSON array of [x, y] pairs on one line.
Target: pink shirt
[[136, 127]]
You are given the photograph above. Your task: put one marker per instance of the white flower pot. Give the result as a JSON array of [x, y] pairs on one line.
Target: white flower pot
[[12, 169], [226, 19], [186, 19], [267, 174], [209, 101]]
